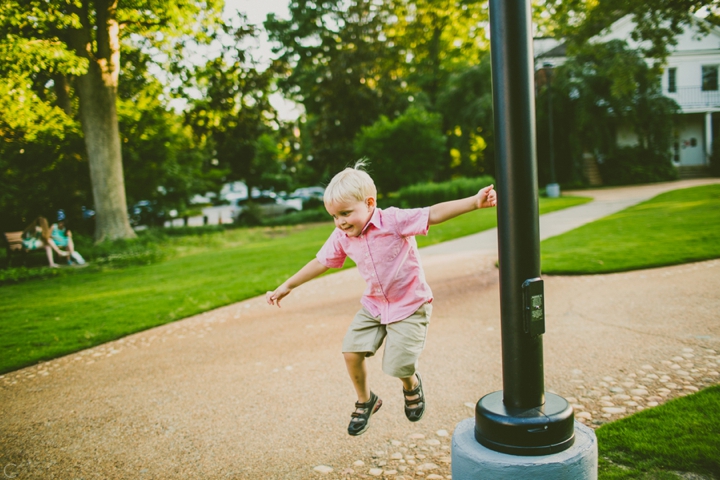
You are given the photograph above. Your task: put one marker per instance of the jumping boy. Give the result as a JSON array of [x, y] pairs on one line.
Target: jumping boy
[[396, 304]]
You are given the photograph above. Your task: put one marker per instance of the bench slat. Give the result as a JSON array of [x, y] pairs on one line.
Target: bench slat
[[14, 240]]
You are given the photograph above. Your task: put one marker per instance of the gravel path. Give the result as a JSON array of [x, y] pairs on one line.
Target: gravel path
[[253, 392]]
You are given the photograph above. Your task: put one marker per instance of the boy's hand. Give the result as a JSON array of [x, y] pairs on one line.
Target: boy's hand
[[487, 197], [274, 297]]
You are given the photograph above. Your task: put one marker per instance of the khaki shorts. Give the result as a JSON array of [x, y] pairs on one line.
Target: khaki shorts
[[405, 339]]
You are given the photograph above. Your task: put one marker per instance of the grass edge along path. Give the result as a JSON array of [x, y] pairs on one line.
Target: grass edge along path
[[48, 318], [669, 441], [680, 226]]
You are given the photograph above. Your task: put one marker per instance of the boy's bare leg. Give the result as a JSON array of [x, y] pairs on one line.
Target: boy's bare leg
[[357, 368], [410, 383]]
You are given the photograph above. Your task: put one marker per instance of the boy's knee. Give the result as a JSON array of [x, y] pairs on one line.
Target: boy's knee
[[354, 357]]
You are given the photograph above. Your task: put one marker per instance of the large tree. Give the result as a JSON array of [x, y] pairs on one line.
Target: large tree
[[342, 68], [87, 35], [229, 111], [600, 90], [467, 107], [349, 63]]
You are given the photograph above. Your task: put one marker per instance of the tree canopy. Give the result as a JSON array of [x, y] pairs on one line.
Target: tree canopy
[[106, 103]]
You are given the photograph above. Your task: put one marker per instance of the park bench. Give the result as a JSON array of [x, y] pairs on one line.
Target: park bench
[[14, 247]]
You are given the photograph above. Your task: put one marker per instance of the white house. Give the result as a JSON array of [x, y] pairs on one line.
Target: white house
[[690, 77]]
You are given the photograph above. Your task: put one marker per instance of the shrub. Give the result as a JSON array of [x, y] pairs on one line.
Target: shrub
[[632, 165], [424, 194], [306, 216], [715, 158], [402, 151], [184, 231], [20, 274], [251, 216], [313, 203], [146, 249]]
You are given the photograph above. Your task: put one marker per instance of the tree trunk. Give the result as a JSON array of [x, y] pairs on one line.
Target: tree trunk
[[97, 92], [62, 92]]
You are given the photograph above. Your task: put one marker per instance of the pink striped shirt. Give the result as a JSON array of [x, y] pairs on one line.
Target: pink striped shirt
[[387, 257]]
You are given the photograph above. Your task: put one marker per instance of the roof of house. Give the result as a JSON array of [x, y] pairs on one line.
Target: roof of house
[[701, 36]]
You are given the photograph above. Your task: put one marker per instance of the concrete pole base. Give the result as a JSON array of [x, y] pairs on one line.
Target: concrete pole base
[[471, 461]]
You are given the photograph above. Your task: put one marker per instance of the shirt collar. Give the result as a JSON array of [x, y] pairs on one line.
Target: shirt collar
[[375, 219]]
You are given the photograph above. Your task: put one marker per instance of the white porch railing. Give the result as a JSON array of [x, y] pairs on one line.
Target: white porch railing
[[694, 97]]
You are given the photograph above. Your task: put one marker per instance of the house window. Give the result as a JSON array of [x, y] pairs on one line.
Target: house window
[[676, 152], [672, 80], [709, 78]]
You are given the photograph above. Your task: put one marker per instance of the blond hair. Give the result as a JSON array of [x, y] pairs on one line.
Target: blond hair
[[42, 224], [352, 184]]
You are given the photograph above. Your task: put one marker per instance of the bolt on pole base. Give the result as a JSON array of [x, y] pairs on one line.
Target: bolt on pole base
[[543, 430]]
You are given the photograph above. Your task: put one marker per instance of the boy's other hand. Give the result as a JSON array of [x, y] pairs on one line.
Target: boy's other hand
[[487, 197], [275, 297]]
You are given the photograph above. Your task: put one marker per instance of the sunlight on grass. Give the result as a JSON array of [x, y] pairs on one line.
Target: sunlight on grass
[[676, 227], [43, 319], [682, 435]]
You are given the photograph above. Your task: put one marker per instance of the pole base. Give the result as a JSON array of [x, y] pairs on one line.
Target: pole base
[[542, 430], [470, 460]]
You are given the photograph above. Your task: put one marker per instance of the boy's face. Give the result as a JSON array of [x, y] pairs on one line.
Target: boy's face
[[351, 217]]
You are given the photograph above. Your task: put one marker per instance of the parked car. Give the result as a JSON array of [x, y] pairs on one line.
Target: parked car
[[307, 193], [147, 213], [268, 204]]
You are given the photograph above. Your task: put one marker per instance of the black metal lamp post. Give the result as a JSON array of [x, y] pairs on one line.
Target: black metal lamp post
[[522, 419], [552, 189]]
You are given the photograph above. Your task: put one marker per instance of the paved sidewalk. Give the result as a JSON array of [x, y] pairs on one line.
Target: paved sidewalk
[[248, 391]]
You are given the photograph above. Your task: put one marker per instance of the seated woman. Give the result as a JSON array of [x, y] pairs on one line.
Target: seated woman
[[37, 236], [62, 237]]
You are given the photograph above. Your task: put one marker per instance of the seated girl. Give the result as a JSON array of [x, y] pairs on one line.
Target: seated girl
[[62, 237], [37, 235]]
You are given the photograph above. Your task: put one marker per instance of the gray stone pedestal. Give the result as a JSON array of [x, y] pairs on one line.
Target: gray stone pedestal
[[472, 461]]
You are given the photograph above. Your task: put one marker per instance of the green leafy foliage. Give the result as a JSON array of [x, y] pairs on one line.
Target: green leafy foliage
[[658, 21], [233, 118], [54, 54], [403, 151], [600, 90], [314, 215], [342, 69], [633, 165], [467, 107], [424, 194], [715, 158], [351, 63]]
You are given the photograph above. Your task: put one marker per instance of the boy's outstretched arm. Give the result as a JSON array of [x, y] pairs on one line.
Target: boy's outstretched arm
[[440, 212], [313, 269]]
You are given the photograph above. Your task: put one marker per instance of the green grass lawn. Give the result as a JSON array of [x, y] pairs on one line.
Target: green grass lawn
[[46, 318], [679, 437], [676, 227]]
